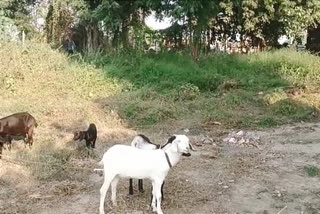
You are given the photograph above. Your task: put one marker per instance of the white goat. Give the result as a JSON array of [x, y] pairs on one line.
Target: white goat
[[127, 161], [142, 142]]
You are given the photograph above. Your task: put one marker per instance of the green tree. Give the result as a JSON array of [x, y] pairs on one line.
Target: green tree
[[199, 14], [17, 12]]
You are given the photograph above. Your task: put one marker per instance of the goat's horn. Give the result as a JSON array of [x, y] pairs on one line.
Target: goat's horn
[[191, 147]]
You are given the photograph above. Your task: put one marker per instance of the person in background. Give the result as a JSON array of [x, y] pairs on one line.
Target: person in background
[[70, 46]]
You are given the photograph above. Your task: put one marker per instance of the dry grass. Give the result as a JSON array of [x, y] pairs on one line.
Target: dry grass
[[62, 96]]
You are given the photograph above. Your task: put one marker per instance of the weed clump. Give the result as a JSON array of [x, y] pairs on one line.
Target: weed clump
[[188, 92], [312, 171]]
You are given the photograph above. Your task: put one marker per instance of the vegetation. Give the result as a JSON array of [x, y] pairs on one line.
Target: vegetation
[[260, 90], [62, 95], [115, 24], [115, 80], [312, 171]]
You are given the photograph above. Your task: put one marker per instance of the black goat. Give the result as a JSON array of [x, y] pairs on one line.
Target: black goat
[[90, 136]]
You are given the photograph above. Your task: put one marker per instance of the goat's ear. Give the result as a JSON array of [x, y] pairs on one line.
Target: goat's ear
[[171, 139], [191, 147]]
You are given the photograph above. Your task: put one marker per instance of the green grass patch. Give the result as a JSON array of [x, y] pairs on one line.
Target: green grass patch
[[312, 171], [292, 109], [237, 90], [241, 91]]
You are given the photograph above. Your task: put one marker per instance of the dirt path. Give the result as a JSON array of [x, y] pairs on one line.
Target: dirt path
[[218, 178]]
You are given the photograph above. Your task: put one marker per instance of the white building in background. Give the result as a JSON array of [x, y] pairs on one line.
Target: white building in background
[[156, 24]]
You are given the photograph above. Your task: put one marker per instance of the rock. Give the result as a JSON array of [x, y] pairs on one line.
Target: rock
[[241, 141], [207, 141], [186, 130], [226, 139], [232, 140], [277, 193], [240, 133], [242, 138], [216, 123]]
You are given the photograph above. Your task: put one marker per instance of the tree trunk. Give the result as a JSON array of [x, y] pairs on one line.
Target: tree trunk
[[93, 37], [190, 30], [125, 33], [196, 41], [115, 38], [208, 41]]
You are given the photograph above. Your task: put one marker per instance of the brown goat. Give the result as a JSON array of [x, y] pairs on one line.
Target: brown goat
[[20, 125]]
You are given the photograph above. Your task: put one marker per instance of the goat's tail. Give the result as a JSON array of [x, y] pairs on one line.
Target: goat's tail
[[100, 163]]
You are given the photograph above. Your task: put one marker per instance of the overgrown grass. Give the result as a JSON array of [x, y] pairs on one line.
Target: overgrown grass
[[261, 90], [238, 91], [61, 94]]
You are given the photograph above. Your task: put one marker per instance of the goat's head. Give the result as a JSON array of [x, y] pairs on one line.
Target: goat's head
[[182, 144], [78, 135]]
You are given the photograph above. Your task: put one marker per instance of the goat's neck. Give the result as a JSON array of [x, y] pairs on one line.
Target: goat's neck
[[174, 157]]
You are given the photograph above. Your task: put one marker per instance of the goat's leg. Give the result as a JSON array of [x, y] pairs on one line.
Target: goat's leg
[[103, 192], [88, 144], [140, 184], [130, 187], [162, 197], [30, 138], [153, 200], [26, 141], [9, 142], [1, 145], [93, 145], [114, 184], [9, 146], [158, 185]]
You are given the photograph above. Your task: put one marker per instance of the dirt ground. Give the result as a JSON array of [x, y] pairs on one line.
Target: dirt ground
[[218, 178]]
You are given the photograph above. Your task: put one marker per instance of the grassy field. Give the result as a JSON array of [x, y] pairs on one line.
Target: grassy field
[[61, 95], [260, 90], [142, 92], [130, 93]]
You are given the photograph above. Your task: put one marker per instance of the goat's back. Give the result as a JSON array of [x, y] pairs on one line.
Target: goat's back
[[17, 124], [128, 161]]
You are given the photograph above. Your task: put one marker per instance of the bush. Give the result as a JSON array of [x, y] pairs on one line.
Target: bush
[[188, 92]]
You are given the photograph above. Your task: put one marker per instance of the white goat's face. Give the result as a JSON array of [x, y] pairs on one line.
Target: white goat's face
[[183, 144]]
